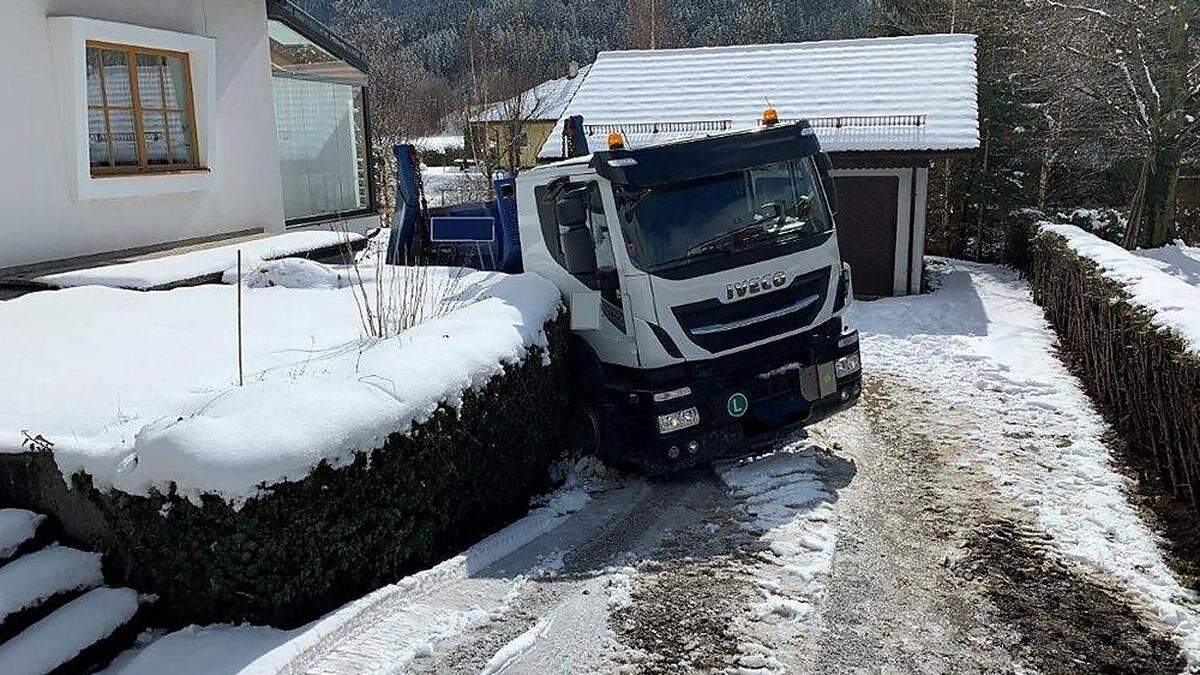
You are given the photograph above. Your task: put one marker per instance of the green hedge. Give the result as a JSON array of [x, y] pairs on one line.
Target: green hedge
[[305, 547], [1143, 378]]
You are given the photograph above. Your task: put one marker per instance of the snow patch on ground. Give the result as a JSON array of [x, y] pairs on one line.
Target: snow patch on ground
[[792, 508], [197, 650], [153, 398], [511, 652], [1174, 301], [981, 343]]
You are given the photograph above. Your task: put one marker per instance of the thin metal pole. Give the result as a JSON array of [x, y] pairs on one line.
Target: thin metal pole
[[241, 379]]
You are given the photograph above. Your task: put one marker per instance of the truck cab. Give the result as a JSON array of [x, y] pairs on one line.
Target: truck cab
[[705, 287]]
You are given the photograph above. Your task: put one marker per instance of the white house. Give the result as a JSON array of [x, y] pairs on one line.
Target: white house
[[883, 108], [145, 123]]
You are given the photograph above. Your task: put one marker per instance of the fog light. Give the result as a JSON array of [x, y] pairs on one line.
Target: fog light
[[847, 365], [664, 396], [677, 421], [845, 395], [673, 453], [693, 447]]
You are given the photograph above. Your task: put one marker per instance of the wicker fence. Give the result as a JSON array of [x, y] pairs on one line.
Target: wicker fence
[[1143, 377]]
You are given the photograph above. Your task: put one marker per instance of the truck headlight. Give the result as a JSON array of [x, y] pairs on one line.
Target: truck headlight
[[847, 365], [677, 421]]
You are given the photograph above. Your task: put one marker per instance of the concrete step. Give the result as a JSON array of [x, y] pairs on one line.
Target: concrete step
[[81, 636], [21, 532]]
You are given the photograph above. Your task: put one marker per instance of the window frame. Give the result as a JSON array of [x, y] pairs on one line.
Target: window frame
[[136, 108]]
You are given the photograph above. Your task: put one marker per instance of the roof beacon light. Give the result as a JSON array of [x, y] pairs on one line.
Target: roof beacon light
[[616, 141], [770, 117]]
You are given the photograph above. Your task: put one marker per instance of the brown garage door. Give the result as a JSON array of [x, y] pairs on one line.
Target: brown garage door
[[866, 223]]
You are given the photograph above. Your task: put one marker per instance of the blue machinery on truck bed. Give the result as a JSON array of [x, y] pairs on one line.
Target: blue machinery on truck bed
[[480, 235]]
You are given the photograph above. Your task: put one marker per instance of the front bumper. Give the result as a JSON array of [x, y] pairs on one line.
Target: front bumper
[[785, 388]]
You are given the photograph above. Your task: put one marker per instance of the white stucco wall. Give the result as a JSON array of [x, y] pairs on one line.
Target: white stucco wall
[[43, 218]]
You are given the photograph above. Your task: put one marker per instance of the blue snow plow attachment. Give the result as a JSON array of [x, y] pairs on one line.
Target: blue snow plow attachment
[[480, 235]]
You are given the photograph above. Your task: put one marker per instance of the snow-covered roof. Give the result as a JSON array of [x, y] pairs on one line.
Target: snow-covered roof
[[547, 101], [877, 94]]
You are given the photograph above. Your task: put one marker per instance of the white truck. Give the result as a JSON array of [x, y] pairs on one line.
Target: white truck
[[705, 286]]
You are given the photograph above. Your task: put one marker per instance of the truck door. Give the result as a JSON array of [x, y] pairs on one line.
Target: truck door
[[583, 213]]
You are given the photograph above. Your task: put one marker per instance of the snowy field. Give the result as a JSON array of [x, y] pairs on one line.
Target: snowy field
[[858, 548], [140, 389]]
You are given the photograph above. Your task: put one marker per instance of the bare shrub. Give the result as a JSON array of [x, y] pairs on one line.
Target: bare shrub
[[394, 298]]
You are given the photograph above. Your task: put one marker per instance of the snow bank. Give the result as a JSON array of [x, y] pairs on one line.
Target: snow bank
[[138, 389], [1175, 303], [149, 273]]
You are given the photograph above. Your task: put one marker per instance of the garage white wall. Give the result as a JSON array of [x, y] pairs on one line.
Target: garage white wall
[[41, 217]]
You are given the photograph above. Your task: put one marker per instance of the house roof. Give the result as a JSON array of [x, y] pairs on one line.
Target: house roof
[[547, 101], [915, 93]]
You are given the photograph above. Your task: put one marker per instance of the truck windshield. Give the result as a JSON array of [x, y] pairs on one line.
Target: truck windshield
[[765, 206]]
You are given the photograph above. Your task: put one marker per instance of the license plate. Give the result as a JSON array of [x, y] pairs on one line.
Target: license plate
[[826, 379]]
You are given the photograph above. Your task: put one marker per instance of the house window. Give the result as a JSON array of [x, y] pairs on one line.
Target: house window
[[320, 117], [141, 115]]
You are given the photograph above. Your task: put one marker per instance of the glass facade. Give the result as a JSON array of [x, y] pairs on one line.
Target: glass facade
[[320, 119]]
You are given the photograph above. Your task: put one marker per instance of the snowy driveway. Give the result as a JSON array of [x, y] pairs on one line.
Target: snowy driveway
[[966, 517]]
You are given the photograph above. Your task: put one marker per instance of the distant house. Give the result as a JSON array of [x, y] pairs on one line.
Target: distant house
[[148, 123], [883, 108], [532, 113]]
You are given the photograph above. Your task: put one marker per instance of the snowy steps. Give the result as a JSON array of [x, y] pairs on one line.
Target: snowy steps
[[56, 614]]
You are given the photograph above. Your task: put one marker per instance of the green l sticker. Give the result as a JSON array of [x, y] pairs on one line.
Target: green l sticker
[[738, 405]]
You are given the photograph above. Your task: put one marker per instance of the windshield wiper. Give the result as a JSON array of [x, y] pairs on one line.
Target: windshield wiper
[[724, 240], [689, 257]]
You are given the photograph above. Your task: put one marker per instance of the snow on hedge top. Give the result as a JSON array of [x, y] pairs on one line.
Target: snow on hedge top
[[931, 77], [139, 389], [1174, 302], [168, 269]]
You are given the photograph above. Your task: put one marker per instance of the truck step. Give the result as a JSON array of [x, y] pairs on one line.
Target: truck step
[[81, 636]]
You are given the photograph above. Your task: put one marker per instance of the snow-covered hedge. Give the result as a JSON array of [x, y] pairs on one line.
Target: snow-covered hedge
[[303, 547], [1134, 333], [346, 458]]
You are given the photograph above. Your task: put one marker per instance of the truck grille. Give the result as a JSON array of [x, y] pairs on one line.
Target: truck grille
[[717, 327]]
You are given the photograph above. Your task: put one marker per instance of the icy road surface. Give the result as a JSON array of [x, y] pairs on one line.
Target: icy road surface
[[965, 517]]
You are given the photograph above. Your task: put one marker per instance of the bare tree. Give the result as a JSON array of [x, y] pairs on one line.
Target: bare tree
[[1136, 63]]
